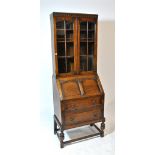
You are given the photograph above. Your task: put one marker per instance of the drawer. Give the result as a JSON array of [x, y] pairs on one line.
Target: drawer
[[81, 104], [83, 117]]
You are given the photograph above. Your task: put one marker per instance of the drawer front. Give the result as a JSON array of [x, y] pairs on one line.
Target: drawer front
[[83, 117], [82, 104]]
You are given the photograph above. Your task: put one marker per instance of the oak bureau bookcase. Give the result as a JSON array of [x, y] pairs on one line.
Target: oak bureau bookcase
[[77, 91]]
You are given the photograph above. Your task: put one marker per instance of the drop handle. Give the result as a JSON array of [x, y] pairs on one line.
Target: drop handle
[[71, 119], [74, 107]]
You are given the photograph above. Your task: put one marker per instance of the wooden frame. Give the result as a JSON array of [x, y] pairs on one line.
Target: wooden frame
[[77, 91], [77, 18]]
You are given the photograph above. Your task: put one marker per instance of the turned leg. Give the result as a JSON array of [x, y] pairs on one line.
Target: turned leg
[[55, 127], [61, 139], [102, 129]]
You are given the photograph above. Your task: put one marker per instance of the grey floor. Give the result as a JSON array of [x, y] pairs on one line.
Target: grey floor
[[50, 144]]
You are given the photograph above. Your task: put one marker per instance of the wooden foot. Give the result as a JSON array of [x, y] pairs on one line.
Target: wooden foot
[[55, 127], [61, 139], [102, 129]]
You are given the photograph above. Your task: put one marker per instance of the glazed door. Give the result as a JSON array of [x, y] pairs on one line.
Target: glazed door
[[65, 30], [87, 42]]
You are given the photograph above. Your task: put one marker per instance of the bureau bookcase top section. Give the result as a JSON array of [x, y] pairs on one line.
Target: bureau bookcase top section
[[75, 43]]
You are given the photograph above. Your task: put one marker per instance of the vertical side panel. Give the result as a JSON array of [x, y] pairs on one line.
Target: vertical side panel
[[95, 48], [75, 46], [55, 47], [52, 41], [56, 100], [78, 46]]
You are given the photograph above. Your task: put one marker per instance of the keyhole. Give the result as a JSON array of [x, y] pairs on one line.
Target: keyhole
[[94, 103], [95, 115]]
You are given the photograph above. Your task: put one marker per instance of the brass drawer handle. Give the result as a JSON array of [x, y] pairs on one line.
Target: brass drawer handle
[[73, 107], [72, 119]]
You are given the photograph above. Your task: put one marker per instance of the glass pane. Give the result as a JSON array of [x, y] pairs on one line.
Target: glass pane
[[60, 35], [83, 31], [69, 46], [83, 45], [70, 64], [65, 45], [91, 25], [61, 48], [61, 65], [69, 25], [83, 48], [69, 35], [83, 63], [69, 31], [87, 45], [91, 36], [83, 36], [91, 48], [70, 49], [60, 24], [90, 63], [83, 26]]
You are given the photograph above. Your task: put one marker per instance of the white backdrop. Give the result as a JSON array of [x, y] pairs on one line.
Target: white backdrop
[[19, 84], [106, 64]]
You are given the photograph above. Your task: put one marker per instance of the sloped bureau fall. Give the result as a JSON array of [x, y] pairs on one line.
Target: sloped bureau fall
[[78, 95]]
